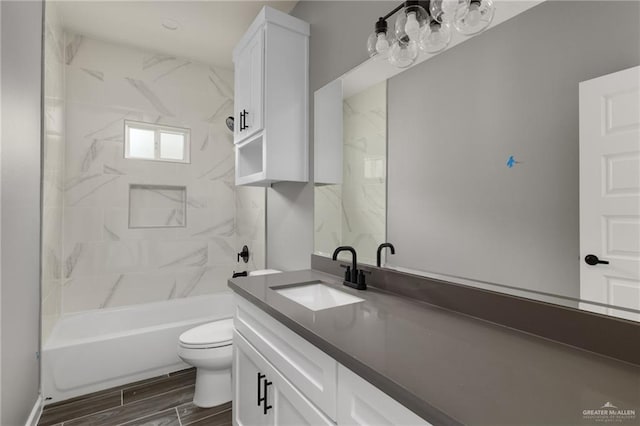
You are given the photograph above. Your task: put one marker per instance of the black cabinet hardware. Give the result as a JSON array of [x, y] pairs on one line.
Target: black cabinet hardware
[[265, 390], [261, 398], [592, 259], [243, 120]]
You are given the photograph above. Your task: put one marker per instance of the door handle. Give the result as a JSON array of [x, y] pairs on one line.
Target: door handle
[[260, 398], [242, 121], [265, 389], [592, 259]]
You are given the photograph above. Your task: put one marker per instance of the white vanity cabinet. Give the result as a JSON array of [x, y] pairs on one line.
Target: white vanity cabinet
[[279, 378], [361, 403], [271, 100], [263, 396]]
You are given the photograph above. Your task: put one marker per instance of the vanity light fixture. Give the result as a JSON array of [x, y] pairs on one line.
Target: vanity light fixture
[[427, 26]]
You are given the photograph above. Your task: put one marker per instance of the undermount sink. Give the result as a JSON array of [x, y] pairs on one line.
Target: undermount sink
[[317, 296]]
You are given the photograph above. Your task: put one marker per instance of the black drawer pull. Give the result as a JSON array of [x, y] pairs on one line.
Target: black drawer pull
[[265, 389], [260, 398]]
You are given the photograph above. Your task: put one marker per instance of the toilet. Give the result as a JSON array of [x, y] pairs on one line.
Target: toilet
[[208, 347]]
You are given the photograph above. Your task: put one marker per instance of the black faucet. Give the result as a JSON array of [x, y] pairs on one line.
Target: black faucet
[[352, 278], [380, 247]]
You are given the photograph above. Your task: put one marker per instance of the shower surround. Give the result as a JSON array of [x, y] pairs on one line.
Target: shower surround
[[105, 263], [52, 170]]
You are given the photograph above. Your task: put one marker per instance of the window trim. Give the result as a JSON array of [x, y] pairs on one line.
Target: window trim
[[157, 130]]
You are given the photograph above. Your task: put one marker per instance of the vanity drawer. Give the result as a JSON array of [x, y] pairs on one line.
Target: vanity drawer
[[312, 372]]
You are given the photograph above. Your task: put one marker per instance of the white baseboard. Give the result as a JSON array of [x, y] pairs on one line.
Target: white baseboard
[[36, 412]]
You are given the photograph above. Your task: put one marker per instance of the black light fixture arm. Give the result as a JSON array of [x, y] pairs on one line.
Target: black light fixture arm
[[423, 3]]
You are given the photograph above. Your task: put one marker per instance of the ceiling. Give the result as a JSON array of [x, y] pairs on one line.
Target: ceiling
[[207, 30]]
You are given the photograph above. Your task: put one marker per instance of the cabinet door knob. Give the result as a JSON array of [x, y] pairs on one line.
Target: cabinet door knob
[[265, 389], [592, 259]]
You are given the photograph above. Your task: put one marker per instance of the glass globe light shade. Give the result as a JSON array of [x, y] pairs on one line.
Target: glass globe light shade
[[435, 36], [448, 10], [378, 44], [477, 19], [371, 45], [403, 53], [409, 21]]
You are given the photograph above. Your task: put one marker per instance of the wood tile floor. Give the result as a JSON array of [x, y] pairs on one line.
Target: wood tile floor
[[160, 401]]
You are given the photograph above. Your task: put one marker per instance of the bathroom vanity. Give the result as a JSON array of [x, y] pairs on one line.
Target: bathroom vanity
[[281, 378], [388, 359]]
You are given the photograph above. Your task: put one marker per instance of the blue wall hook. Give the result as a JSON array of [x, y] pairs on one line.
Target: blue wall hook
[[512, 162]]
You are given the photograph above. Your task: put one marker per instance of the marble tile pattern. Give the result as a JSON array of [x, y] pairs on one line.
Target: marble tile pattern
[[354, 213], [155, 206], [53, 170], [105, 262]]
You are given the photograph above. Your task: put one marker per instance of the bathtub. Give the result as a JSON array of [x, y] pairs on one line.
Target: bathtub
[[95, 350]]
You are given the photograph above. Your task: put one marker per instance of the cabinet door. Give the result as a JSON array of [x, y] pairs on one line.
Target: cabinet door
[[361, 403], [249, 76], [285, 404], [292, 408], [247, 387]]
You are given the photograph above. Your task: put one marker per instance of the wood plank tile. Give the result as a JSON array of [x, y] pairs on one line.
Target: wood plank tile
[[185, 371], [164, 418], [222, 419], [79, 407], [107, 391], [124, 413], [166, 384], [189, 413]]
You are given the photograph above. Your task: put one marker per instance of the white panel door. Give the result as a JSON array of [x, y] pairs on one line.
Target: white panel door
[[610, 192], [361, 403]]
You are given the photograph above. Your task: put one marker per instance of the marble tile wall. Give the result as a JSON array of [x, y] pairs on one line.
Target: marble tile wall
[[354, 213], [53, 170], [105, 262]]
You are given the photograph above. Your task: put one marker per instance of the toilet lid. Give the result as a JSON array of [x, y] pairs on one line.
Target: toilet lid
[[211, 335]]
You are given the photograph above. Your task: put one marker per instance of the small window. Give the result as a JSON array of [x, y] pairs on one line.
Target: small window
[[147, 141]]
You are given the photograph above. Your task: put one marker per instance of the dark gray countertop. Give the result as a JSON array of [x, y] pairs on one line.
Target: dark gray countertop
[[448, 367]]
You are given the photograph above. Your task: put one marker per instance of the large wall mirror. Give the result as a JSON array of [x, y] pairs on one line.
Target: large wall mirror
[[509, 161]]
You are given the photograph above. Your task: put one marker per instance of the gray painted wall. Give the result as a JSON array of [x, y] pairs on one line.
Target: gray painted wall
[[454, 207], [339, 31], [20, 205]]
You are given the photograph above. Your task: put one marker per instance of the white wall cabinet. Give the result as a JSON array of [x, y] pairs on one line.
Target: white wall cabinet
[[303, 385], [249, 67], [263, 396], [271, 100]]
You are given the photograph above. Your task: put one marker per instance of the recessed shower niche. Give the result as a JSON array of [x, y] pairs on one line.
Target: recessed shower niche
[[157, 206]]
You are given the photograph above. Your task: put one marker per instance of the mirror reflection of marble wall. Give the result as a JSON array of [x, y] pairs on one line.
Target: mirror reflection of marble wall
[[354, 212]]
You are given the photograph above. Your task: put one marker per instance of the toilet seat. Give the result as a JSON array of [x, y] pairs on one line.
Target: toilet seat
[[215, 334]]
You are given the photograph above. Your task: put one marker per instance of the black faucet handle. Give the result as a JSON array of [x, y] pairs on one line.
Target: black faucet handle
[[347, 273], [361, 277]]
